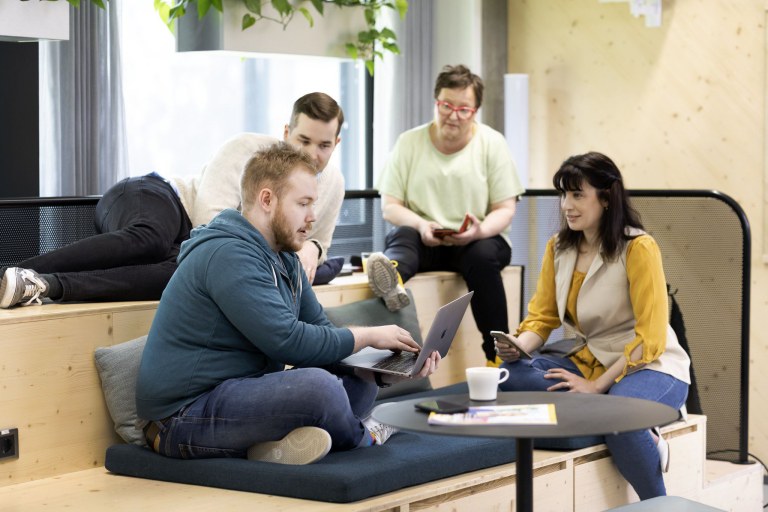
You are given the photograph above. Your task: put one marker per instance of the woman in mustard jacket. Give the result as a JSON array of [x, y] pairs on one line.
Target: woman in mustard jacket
[[602, 276]]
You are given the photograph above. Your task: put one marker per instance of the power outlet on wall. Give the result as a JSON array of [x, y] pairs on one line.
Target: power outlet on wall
[[9, 443]]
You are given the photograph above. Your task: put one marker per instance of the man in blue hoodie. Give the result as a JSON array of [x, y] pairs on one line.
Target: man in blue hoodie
[[239, 308]]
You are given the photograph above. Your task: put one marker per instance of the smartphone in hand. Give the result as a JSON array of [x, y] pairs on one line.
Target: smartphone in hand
[[505, 339], [442, 232]]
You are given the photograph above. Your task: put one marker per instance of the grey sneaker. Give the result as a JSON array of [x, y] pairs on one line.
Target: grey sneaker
[[304, 445], [380, 431], [21, 286], [386, 282]]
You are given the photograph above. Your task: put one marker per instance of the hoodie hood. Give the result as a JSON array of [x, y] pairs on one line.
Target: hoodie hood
[[228, 224], [231, 224]]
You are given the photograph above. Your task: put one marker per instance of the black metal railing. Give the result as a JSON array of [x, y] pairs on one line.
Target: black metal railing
[[705, 243]]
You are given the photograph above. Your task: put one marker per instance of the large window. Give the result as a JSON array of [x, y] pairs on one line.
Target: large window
[[181, 106]]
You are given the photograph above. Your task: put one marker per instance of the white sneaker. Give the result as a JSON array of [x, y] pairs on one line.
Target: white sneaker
[[380, 431], [21, 286], [663, 447], [304, 445], [385, 281]]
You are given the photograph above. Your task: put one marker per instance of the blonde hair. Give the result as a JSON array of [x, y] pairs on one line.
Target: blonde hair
[[270, 168]]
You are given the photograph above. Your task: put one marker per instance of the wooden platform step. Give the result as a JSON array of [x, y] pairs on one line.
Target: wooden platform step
[[581, 480]]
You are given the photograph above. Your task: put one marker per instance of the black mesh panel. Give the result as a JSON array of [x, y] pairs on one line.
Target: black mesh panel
[[702, 243]]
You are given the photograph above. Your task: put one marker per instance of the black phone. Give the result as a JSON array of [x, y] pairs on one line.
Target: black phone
[[441, 406]]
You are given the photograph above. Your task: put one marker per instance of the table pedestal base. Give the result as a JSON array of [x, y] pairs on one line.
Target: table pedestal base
[[524, 479]]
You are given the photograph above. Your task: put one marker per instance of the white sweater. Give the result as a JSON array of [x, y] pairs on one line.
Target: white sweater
[[217, 187]]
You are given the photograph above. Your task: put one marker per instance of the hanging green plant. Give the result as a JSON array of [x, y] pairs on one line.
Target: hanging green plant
[[369, 43]]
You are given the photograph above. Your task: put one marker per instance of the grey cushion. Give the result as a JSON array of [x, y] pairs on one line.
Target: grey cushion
[[373, 312], [118, 368], [118, 365]]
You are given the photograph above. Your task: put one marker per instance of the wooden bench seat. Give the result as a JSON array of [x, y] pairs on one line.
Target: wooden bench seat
[[51, 391], [52, 394]]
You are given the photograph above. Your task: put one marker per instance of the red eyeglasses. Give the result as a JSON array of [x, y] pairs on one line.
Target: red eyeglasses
[[447, 109]]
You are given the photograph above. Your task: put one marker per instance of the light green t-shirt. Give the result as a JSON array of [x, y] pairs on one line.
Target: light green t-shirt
[[443, 188]]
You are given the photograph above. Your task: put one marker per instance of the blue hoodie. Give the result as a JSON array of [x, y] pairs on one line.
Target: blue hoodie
[[234, 308]]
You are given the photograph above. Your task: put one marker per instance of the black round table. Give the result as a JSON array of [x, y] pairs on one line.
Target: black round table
[[578, 414]]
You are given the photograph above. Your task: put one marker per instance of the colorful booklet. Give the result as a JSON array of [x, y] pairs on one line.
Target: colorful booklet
[[523, 414]]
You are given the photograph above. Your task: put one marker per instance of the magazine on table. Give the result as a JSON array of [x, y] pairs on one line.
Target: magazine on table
[[521, 414]]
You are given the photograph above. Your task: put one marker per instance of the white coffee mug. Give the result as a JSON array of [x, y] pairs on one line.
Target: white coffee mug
[[484, 381]]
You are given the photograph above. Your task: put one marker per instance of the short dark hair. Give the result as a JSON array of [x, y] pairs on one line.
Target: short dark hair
[[600, 172], [271, 167], [459, 77], [318, 106]]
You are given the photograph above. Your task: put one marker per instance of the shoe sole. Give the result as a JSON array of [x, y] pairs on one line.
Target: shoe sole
[[6, 291], [304, 445], [665, 444], [382, 278]]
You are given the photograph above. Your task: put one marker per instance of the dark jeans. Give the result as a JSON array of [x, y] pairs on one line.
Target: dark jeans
[[239, 413], [480, 263], [140, 224]]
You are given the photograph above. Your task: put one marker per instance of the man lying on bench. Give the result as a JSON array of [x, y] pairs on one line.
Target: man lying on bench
[[141, 221]]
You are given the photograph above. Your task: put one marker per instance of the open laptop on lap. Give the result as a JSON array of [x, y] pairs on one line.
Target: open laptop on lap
[[408, 364]]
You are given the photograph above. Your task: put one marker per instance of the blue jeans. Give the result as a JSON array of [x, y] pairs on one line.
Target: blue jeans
[[480, 263], [239, 413], [140, 224], [634, 453]]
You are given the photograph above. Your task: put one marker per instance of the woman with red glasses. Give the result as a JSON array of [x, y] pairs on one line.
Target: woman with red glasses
[[450, 188]]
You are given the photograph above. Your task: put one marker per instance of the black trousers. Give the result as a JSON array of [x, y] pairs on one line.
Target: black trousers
[[480, 263], [140, 223]]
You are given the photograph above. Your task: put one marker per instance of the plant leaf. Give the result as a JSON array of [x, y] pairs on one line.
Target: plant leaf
[[351, 50], [202, 7], [370, 17], [387, 33], [248, 21], [163, 10], [254, 6], [176, 12], [402, 7], [391, 47], [305, 12], [100, 3], [367, 36], [76, 3], [369, 66], [282, 6], [217, 5], [319, 6]]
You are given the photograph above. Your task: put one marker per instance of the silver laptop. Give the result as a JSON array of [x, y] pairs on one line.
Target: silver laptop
[[408, 364]]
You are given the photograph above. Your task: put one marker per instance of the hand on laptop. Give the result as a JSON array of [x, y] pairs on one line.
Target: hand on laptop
[[430, 367], [392, 337]]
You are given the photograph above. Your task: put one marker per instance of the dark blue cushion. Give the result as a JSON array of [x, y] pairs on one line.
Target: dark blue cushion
[[406, 459]]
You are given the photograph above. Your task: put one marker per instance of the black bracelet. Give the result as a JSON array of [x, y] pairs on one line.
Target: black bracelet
[[379, 382], [319, 248]]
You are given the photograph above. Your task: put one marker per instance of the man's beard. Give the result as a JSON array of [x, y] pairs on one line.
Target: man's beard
[[285, 236]]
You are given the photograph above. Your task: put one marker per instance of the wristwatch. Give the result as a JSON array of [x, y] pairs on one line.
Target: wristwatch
[[379, 382]]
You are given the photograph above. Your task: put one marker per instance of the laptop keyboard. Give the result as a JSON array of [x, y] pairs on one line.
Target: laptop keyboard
[[400, 363]]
